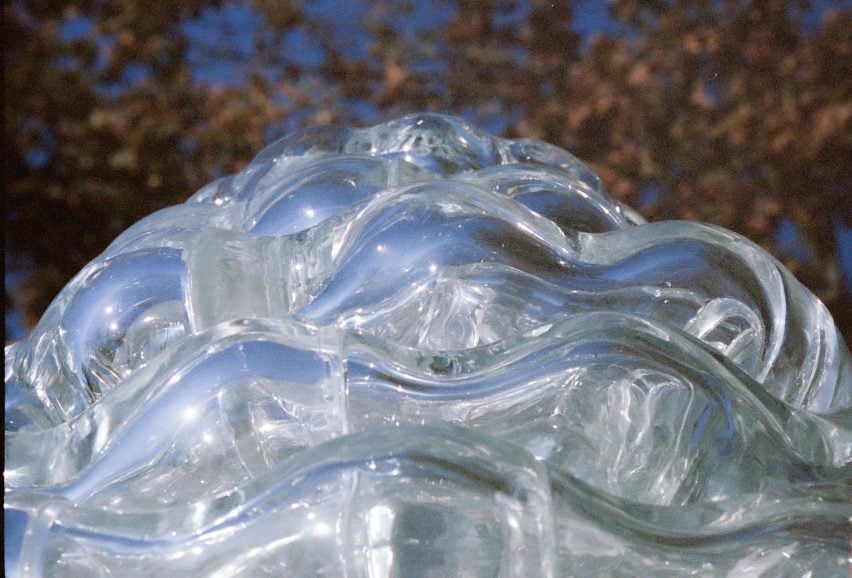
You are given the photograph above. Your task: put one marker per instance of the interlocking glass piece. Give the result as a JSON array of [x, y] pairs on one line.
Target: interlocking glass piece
[[420, 350]]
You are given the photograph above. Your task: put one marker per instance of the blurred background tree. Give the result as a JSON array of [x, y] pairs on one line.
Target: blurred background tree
[[734, 112]]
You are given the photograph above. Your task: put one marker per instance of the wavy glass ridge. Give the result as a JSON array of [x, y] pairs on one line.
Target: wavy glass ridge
[[419, 349]]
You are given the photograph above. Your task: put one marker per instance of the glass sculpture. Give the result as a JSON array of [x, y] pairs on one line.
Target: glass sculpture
[[417, 349]]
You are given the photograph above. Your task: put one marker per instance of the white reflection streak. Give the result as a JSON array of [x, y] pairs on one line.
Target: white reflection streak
[[247, 559], [379, 547]]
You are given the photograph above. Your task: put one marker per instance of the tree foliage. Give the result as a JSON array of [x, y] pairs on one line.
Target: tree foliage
[[734, 112]]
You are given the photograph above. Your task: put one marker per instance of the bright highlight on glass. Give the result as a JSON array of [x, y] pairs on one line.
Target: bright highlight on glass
[[420, 350]]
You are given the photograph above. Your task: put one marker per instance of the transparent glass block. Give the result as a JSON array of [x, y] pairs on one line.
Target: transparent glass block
[[417, 349]]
